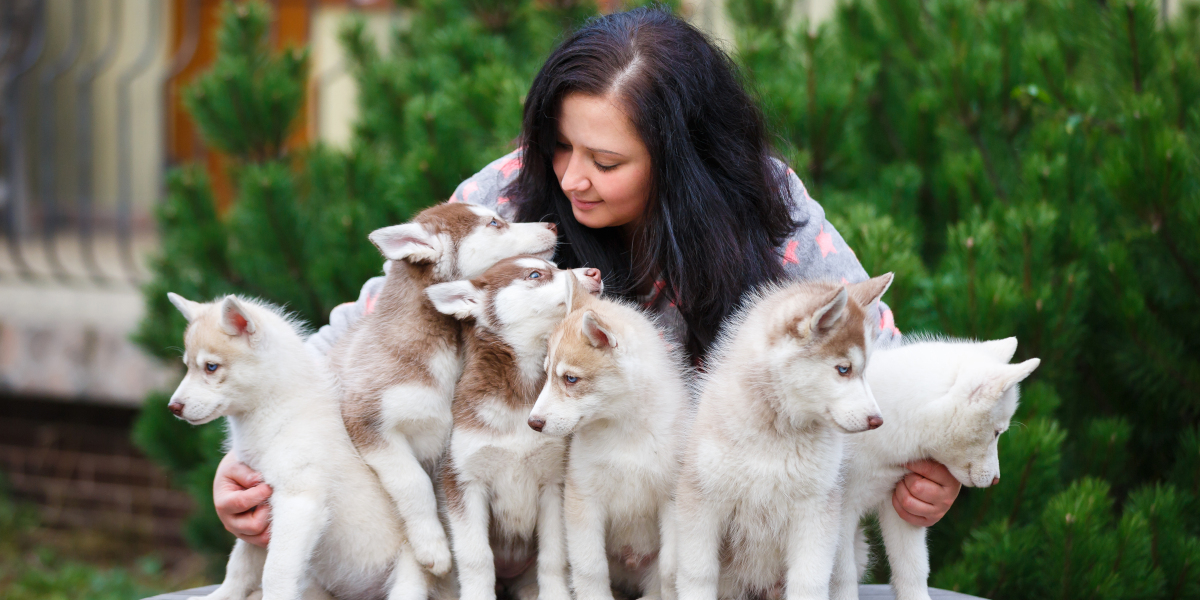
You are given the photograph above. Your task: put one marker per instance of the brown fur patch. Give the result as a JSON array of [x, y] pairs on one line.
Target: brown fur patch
[[389, 347], [454, 499]]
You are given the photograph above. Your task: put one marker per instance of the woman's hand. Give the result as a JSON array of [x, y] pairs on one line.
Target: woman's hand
[[241, 500], [924, 495]]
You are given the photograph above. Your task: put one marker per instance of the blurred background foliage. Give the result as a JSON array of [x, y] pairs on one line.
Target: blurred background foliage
[[1026, 167]]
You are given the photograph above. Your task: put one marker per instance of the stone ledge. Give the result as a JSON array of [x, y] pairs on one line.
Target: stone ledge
[[72, 343], [865, 592]]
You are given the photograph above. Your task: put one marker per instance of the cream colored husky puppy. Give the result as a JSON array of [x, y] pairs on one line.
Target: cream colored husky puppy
[[398, 365], [247, 362], [617, 389], [948, 400], [759, 495], [502, 480]]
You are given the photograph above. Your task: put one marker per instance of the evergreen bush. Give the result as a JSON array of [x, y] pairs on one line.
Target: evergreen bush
[[1027, 168]]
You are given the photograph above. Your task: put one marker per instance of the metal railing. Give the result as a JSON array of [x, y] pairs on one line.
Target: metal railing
[[66, 217]]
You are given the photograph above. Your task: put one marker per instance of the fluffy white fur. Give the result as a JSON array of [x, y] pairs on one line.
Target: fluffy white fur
[[759, 497], [948, 400], [505, 480], [617, 389], [247, 362]]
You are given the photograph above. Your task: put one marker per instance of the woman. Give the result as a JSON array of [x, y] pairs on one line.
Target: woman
[[640, 142]]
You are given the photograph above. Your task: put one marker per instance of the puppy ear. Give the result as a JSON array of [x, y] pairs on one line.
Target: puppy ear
[[596, 332], [459, 299], [870, 291], [410, 241], [1017, 373], [187, 307], [235, 320], [1000, 379], [830, 313], [1002, 350]]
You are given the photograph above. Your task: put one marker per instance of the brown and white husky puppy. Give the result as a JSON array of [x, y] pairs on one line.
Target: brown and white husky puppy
[[615, 386], [759, 494], [503, 480], [398, 365]]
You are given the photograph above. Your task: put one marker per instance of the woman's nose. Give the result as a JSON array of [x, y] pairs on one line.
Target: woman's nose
[[573, 179]]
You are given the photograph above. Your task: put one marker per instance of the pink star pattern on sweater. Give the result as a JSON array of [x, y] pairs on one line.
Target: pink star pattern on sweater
[[469, 188], [507, 168], [825, 241], [888, 322], [789, 255], [502, 200]]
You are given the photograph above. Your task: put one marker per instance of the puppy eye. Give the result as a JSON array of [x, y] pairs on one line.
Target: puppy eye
[[571, 379], [844, 369], [210, 367], [534, 275], [997, 433], [494, 223]]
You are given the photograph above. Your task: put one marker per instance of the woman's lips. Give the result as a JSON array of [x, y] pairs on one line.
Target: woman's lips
[[583, 204]]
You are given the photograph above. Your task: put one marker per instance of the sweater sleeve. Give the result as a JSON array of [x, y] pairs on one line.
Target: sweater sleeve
[[817, 251], [484, 188]]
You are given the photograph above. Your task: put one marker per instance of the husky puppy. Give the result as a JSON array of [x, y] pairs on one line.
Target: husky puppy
[[398, 365], [613, 382], [502, 480], [247, 362], [759, 496], [946, 400]]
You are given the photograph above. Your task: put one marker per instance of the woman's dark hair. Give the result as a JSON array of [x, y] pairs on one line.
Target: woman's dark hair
[[719, 204]]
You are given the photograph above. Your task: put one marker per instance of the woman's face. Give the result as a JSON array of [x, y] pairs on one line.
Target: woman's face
[[601, 163]]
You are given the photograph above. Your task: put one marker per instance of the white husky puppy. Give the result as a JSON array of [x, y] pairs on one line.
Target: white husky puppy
[[502, 480], [247, 362], [758, 498], [946, 400], [613, 382], [398, 365]]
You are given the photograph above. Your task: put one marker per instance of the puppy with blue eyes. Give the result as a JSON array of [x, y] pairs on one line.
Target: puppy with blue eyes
[[502, 480], [616, 387], [247, 361]]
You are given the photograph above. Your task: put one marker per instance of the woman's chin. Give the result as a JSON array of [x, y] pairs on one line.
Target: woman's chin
[[593, 217]]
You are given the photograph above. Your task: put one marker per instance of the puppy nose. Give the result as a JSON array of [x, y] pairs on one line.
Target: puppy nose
[[593, 274], [537, 424], [176, 408], [552, 227], [874, 422], [995, 480]]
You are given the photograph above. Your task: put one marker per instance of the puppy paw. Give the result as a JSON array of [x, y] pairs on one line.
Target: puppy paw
[[432, 551]]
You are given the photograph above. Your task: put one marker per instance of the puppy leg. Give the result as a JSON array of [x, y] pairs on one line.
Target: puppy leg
[[666, 554], [844, 583], [408, 580], [243, 573], [469, 519], [296, 524], [700, 524], [411, 489], [585, 524], [907, 554], [812, 543], [552, 551]]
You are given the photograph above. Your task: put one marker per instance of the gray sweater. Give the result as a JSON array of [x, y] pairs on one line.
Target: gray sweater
[[814, 251]]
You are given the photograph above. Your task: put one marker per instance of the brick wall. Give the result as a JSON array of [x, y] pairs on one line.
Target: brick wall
[[76, 464]]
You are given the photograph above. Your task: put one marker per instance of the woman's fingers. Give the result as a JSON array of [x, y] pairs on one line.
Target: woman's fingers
[[925, 494], [240, 498]]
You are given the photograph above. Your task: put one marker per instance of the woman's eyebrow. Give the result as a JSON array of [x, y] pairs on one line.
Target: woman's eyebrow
[[601, 151]]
